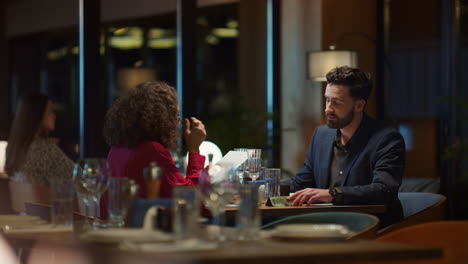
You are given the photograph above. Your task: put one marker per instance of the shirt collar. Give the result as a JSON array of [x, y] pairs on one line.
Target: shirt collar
[[350, 142]]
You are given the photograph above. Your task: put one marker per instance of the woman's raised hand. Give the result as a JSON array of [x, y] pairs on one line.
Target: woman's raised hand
[[194, 134]]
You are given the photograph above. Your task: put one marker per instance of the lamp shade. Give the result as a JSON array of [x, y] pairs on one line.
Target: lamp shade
[[321, 62], [128, 78], [207, 148]]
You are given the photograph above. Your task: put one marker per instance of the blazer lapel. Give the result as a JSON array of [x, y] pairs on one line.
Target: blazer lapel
[[326, 155], [360, 140]]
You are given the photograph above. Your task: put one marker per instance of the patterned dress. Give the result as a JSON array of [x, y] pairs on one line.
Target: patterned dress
[[44, 161]]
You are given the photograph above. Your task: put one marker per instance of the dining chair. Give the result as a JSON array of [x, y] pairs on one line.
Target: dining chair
[[451, 236], [22, 192], [418, 207], [38, 209], [363, 225], [419, 184]]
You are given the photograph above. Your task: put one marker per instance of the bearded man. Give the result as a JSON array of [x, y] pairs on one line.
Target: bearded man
[[353, 159]]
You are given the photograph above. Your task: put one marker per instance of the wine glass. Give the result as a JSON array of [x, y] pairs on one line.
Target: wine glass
[[218, 186], [90, 177], [254, 163]]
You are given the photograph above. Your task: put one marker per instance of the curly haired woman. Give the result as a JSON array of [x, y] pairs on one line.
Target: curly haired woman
[[141, 127]]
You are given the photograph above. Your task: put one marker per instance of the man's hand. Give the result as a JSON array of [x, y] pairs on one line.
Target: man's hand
[[194, 134], [310, 195]]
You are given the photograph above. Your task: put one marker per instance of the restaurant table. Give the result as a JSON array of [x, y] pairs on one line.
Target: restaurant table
[[272, 252], [268, 211], [267, 251]]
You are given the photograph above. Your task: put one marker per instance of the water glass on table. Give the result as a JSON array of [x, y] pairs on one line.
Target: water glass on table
[[186, 211], [61, 197], [117, 194], [248, 216], [243, 168], [254, 163], [272, 182]]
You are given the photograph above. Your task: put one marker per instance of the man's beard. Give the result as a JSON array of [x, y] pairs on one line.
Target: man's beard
[[339, 123]]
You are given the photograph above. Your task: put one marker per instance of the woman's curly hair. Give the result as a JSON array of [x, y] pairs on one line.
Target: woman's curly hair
[[147, 112]]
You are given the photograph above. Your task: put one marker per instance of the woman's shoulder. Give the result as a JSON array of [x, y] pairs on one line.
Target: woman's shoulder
[[157, 146], [41, 145], [44, 161], [41, 141], [143, 149], [155, 149], [150, 146]]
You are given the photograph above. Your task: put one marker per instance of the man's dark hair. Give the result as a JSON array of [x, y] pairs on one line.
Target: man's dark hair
[[358, 81]]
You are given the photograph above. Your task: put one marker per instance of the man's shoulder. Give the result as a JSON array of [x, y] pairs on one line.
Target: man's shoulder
[[384, 130]]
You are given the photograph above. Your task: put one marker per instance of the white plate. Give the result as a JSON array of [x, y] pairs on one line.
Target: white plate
[[116, 235], [38, 229], [20, 221], [18, 218], [182, 246], [311, 232]]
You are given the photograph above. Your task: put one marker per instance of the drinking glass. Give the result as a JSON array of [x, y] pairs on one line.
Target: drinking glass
[[242, 168], [186, 211], [117, 194], [272, 182], [254, 163], [218, 187], [90, 177], [248, 216], [61, 197]]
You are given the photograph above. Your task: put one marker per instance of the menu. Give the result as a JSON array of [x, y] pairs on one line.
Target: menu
[[233, 159]]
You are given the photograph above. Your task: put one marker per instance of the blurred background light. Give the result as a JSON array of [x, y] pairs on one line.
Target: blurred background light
[[127, 38], [226, 32], [162, 43]]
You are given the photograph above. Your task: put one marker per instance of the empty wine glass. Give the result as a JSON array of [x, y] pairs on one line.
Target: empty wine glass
[[90, 177], [218, 187]]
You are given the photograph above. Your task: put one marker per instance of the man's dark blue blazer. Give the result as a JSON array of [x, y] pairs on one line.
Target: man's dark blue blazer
[[372, 171]]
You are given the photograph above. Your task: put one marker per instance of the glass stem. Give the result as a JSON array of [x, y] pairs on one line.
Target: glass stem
[[220, 220], [96, 222]]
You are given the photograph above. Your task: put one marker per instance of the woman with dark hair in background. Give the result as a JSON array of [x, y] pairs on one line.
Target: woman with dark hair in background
[[30, 155], [141, 127]]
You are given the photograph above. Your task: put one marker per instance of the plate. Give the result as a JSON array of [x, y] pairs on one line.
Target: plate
[[18, 218], [117, 235], [322, 232], [181, 246], [20, 221], [37, 229]]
